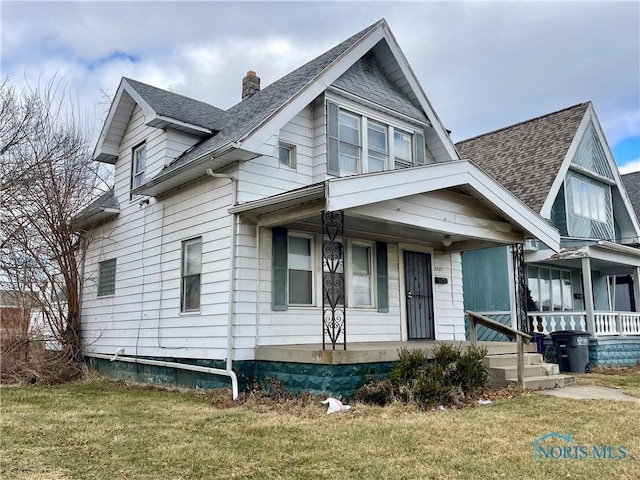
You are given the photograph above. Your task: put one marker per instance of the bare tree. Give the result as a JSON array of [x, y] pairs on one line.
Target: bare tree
[[46, 176]]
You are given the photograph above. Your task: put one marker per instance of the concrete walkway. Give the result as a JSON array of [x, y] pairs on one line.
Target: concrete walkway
[[590, 392]]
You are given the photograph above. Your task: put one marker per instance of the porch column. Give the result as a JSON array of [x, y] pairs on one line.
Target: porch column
[[588, 295], [636, 287]]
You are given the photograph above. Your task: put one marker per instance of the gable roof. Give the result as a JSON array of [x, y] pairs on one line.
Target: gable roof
[[527, 157], [251, 112], [252, 122], [632, 184], [176, 106]]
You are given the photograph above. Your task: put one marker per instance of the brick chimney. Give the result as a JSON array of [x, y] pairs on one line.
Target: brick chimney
[[250, 85]]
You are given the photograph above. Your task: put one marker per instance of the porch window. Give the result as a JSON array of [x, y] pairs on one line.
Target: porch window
[[589, 200], [300, 270], [191, 271], [551, 288]]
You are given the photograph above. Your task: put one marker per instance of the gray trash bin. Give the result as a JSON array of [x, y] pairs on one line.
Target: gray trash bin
[[572, 350]]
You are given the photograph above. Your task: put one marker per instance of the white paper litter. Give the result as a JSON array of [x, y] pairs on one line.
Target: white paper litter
[[335, 405]]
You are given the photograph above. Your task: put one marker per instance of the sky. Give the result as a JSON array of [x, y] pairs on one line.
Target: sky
[[483, 65]]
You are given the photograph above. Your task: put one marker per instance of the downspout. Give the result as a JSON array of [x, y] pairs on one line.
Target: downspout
[[161, 363], [232, 264]]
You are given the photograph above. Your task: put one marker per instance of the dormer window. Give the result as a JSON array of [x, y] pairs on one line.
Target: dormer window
[[138, 164]]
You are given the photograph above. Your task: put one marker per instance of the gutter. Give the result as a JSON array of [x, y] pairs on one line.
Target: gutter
[[181, 366]]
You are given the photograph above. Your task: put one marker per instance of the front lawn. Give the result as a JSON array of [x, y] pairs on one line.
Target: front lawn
[[104, 430]]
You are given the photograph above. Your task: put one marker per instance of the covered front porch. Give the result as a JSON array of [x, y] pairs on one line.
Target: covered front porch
[[356, 261], [605, 275]]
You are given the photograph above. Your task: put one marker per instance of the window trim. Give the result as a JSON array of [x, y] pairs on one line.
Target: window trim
[[292, 155], [184, 277], [101, 278]]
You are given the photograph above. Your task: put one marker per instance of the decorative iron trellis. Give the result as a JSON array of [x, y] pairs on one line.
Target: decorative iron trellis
[[334, 314], [519, 272]]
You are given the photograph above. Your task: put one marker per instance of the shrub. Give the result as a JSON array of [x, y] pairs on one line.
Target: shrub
[[447, 379]]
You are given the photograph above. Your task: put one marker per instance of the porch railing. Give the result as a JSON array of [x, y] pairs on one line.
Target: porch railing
[[521, 338], [606, 323]]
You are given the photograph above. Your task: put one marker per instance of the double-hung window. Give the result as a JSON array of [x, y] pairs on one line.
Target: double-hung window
[[361, 275], [138, 164], [191, 271], [349, 136], [300, 270], [378, 147], [403, 150]]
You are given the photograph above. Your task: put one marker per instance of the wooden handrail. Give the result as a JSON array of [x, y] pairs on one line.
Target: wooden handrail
[[511, 333]]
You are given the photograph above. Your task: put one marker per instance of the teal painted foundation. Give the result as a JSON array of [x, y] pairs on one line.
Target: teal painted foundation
[[613, 352], [317, 379]]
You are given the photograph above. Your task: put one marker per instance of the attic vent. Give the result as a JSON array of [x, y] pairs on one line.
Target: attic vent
[[367, 64]]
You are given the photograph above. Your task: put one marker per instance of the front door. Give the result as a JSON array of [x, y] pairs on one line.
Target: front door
[[419, 295]]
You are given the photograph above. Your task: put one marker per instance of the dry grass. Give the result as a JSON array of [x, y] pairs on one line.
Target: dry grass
[[626, 378], [109, 431]]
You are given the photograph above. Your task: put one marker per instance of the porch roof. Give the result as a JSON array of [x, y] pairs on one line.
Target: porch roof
[[455, 199], [606, 257]]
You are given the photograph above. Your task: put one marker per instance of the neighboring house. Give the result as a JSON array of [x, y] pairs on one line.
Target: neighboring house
[[560, 165], [325, 211], [632, 184]]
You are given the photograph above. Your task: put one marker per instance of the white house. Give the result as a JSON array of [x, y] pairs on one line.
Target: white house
[[326, 211]]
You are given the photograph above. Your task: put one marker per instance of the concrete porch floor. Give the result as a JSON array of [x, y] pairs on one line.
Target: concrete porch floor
[[369, 352]]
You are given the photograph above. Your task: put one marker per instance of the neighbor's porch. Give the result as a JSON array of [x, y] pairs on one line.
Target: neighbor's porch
[[592, 307]]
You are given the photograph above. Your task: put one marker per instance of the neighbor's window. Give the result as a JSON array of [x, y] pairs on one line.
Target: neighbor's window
[[589, 200], [138, 165], [300, 270], [107, 277], [191, 270], [287, 155], [361, 275], [550, 288]]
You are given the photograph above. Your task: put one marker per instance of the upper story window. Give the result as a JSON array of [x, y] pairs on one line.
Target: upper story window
[[589, 200], [138, 164], [287, 155], [358, 144]]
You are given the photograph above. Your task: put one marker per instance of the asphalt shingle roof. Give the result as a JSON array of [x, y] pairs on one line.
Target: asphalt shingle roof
[[179, 107], [106, 200], [251, 112], [527, 156], [632, 185]]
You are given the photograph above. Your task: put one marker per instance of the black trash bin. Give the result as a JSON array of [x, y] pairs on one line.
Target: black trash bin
[[572, 350]]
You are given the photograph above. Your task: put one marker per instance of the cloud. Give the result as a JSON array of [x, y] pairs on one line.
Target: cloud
[[484, 65], [629, 167]]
